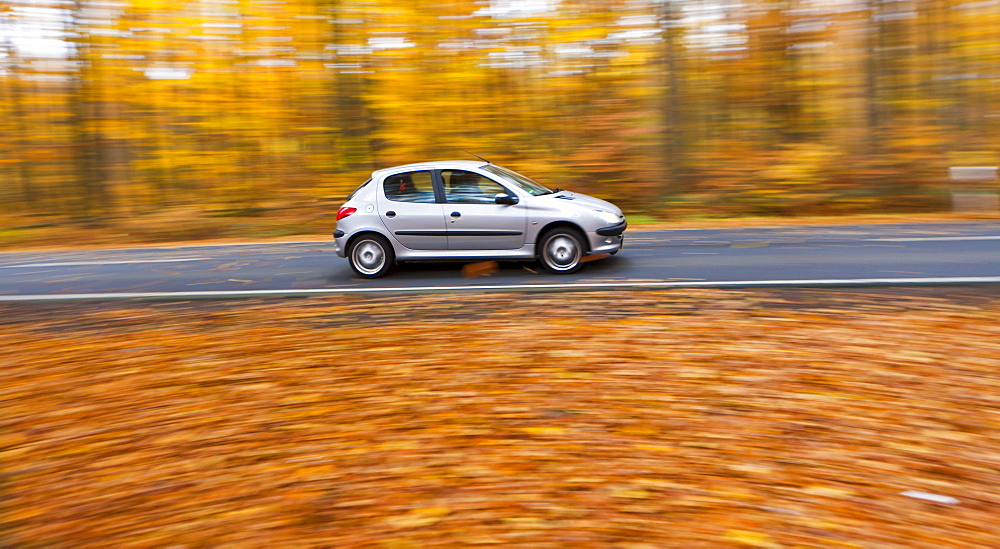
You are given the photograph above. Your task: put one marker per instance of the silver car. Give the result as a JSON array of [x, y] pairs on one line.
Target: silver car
[[469, 211]]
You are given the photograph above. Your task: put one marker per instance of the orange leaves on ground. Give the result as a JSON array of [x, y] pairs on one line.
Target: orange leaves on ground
[[682, 418]]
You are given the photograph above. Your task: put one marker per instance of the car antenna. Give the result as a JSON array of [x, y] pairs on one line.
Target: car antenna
[[476, 155]]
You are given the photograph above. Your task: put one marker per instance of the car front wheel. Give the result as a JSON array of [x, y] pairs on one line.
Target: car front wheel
[[372, 256], [561, 251]]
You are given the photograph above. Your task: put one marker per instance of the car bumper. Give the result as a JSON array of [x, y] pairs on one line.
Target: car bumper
[[607, 239], [613, 230], [339, 239], [600, 244]]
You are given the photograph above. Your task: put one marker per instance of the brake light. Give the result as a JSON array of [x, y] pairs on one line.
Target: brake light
[[344, 212]]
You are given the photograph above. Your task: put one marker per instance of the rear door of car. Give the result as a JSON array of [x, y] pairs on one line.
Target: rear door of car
[[474, 220], [410, 209]]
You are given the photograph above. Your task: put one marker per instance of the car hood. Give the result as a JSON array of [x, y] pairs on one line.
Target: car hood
[[583, 201]]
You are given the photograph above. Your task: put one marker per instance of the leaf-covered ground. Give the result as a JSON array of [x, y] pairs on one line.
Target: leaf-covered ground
[[697, 418]]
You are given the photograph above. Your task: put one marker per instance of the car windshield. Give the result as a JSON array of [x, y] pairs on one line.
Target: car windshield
[[526, 184]]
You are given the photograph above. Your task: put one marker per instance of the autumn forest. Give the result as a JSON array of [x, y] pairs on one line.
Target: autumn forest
[[112, 109]]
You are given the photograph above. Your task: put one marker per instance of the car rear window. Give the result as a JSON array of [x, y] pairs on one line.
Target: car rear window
[[355, 191]]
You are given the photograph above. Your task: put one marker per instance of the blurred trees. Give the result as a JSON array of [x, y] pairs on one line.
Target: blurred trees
[[123, 108]]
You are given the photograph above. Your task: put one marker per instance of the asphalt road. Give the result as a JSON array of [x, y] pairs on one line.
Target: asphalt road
[[788, 256]]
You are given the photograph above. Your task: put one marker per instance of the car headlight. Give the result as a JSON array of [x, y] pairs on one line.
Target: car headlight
[[607, 217]]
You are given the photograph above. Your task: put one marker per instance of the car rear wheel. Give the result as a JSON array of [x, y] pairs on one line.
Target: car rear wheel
[[561, 251], [372, 256]]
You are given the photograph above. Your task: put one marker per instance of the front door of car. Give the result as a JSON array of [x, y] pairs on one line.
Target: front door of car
[[410, 211], [474, 220]]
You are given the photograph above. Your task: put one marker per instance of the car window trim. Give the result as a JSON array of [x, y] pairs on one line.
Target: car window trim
[[438, 181]]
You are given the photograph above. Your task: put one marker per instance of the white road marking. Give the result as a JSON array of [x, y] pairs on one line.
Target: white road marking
[[79, 263], [933, 238], [503, 288]]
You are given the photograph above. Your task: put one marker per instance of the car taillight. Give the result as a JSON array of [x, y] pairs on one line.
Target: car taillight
[[344, 212]]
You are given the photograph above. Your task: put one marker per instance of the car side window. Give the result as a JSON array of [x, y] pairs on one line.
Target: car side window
[[410, 187], [462, 187]]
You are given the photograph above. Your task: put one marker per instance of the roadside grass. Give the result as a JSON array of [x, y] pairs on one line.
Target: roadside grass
[[694, 418]]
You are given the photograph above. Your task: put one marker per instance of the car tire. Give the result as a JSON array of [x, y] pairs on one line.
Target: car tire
[[561, 251], [371, 256]]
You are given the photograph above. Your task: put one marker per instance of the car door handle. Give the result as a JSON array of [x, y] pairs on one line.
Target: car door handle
[[390, 213], [456, 214]]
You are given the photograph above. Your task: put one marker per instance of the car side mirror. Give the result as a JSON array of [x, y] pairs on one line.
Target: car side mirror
[[507, 199]]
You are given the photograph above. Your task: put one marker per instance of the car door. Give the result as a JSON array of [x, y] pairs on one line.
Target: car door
[[474, 220], [410, 210]]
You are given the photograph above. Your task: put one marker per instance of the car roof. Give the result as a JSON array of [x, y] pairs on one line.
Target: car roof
[[437, 165]]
